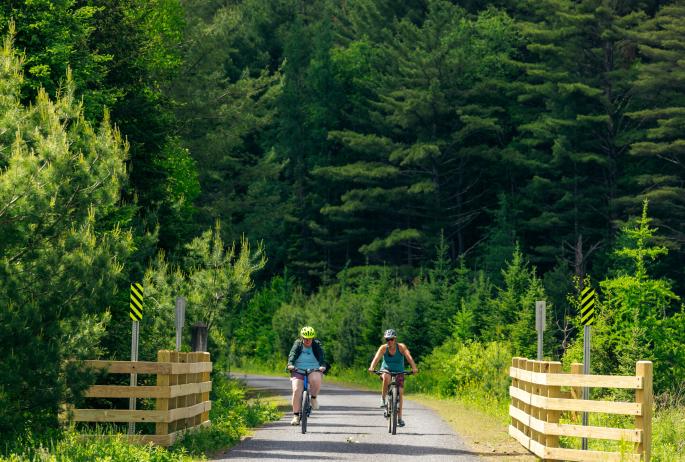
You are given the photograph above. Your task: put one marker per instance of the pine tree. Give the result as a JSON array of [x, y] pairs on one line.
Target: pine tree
[[420, 162], [61, 257], [226, 94], [574, 133], [640, 318], [659, 155]]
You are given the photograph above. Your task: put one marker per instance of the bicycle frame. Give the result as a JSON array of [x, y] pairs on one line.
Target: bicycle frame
[[306, 407], [392, 399]]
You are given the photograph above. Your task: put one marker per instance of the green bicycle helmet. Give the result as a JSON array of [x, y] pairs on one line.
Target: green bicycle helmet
[[307, 332]]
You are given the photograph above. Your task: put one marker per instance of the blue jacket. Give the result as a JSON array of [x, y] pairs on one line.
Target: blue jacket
[[296, 350]]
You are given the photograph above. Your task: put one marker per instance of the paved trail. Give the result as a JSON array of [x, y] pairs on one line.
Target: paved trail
[[349, 426]]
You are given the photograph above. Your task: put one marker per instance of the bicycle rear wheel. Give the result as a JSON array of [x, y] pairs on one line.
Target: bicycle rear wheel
[[304, 411], [395, 409]]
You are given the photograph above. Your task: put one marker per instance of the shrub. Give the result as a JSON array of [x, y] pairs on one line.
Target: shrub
[[457, 368]]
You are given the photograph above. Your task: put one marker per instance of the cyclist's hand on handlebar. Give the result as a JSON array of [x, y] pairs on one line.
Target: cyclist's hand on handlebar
[[415, 370], [322, 369], [291, 367], [370, 369]]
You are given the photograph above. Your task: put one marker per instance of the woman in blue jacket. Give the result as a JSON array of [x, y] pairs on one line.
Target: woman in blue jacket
[[306, 353]]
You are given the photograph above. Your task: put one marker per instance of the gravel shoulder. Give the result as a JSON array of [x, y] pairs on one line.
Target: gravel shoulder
[[485, 434]]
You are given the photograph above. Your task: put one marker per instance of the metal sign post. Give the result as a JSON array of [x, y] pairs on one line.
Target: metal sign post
[[180, 320], [587, 317], [136, 314], [134, 377], [540, 312], [586, 371]]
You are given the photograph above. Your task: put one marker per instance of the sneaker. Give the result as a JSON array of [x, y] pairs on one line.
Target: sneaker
[[400, 423], [315, 404], [382, 403], [296, 420]]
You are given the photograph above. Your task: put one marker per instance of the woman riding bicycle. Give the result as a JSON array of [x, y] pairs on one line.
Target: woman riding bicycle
[[306, 353], [393, 354]]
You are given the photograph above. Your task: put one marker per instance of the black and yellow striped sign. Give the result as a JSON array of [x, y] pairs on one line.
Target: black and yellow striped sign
[[136, 312], [587, 306]]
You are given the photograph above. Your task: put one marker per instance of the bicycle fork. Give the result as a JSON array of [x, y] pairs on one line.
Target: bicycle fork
[[305, 406]]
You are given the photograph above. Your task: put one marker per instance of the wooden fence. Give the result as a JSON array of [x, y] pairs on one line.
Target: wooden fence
[[537, 402], [181, 394]]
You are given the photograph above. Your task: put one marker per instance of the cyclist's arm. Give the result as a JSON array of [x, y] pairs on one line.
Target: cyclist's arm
[[405, 352], [293, 354], [320, 358], [377, 357]]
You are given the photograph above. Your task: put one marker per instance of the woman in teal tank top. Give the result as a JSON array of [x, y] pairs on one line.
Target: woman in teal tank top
[[392, 362], [393, 355]]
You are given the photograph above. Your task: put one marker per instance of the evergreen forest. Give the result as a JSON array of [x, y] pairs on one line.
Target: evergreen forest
[[432, 166]]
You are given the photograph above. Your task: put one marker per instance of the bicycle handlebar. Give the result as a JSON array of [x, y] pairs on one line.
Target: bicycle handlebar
[[303, 371], [392, 374]]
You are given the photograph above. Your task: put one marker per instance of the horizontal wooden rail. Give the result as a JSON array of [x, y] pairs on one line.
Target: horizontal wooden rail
[[118, 415], [125, 415], [547, 453], [579, 405], [125, 391], [149, 367], [616, 434], [578, 380]]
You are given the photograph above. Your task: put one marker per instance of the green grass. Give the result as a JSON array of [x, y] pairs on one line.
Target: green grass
[[668, 440], [668, 434], [232, 416], [69, 448]]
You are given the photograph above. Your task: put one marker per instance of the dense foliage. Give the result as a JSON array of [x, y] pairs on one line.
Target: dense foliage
[[431, 165]]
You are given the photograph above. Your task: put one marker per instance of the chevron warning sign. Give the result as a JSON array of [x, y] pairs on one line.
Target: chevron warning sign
[[136, 312], [587, 306]]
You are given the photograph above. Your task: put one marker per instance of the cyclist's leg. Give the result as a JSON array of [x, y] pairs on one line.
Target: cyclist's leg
[[315, 379], [298, 386], [386, 382], [399, 413]]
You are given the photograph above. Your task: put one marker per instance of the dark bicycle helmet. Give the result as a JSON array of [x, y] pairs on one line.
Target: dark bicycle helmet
[[390, 333]]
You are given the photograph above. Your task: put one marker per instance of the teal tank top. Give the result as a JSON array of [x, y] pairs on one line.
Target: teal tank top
[[393, 363]]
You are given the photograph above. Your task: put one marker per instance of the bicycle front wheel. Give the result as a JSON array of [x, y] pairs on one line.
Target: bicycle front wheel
[[390, 407], [395, 409], [304, 411]]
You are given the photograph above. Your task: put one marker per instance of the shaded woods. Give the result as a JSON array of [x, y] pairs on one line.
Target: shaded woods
[[426, 165]]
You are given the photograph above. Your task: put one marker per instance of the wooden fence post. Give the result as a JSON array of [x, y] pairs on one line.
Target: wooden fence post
[[162, 404], [182, 401], [197, 397], [552, 441], [645, 399], [538, 413], [173, 402], [515, 402], [528, 387], [576, 392], [205, 377]]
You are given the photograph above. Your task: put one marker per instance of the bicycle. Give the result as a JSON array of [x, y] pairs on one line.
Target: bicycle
[[306, 403], [392, 399]]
